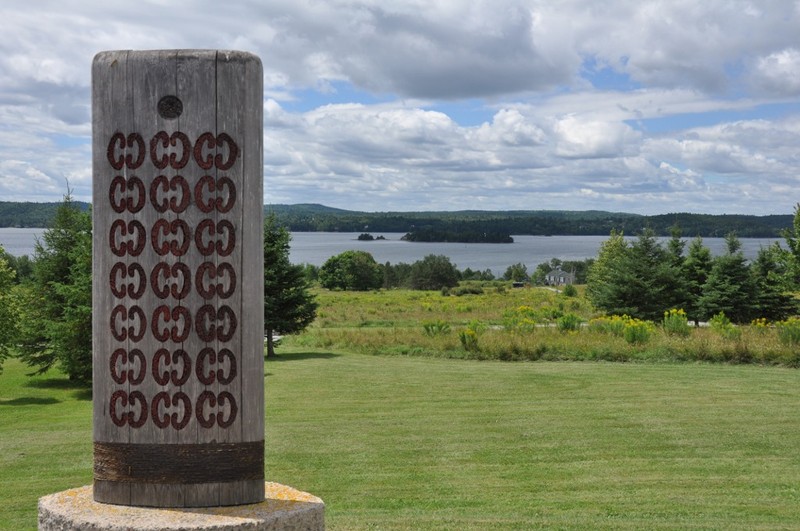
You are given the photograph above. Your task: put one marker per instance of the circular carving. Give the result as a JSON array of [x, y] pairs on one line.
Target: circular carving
[[170, 107]]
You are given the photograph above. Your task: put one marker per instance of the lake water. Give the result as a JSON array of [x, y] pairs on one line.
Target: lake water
[[316, 247]]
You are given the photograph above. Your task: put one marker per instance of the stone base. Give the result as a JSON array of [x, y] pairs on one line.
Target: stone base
[[283, 508]]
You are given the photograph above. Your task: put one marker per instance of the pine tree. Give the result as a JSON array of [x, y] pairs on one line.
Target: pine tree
[[289, 307], [56, 324], [792, 237], [8, 309], [639, 280], [600, 284], [770, 276], [730, 287], [695, 270]]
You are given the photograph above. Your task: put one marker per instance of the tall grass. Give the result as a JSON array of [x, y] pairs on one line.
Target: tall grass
[[527, 324]]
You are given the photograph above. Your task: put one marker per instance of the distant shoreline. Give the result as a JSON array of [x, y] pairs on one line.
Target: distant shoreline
[[320, 218]]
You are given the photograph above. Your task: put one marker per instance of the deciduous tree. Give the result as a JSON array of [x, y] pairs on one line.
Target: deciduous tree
[[435, 271], [517, 272], [351, 270]]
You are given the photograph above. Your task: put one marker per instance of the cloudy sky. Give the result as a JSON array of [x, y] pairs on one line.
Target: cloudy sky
[[635, 106]]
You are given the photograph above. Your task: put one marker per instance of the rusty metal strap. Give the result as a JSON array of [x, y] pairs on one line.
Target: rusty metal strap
[[179, 463]]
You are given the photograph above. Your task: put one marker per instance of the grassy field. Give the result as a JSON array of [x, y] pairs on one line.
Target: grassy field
[[420, 443], [519, 324]]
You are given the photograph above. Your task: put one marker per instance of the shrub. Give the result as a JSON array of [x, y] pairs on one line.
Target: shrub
[[613, 325], [470, 289], [789, 331], [435, 328], [568, 323], [469, 340], [637, 331], [469, 336], [521, 319], [676, 323], [570, 291], [724, 327]]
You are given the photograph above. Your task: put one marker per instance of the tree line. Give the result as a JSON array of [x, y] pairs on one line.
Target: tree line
[[310, 218], [313, 218], [643, 279], [46, 307], [359, 271]]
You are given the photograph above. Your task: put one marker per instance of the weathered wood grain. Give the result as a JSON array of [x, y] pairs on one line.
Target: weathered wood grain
[[184, 129]]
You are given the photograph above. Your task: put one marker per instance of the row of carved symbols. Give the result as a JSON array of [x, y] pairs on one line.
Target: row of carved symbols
[[173, 367], [172, 237], [131, 323], [173, 280], [132, 409], [128, 194], [130, 151]]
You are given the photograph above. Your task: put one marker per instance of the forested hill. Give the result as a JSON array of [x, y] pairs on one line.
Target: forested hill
[[311, 217], [38, 215]]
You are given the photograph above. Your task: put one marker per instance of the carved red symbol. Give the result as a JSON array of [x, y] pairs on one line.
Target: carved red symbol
[[117, 148], [165, 185], [164, 377], [205, 321], [120, 418], [121, 357], [121, 246], [218, 401], [222, 202], [119, 272], [206, 160], [126, 201], [207, 226], [135, 315], [208, 357], [176, 246], [164, 140], [177, 335], [166, 272], [211, 271], [162, 400]]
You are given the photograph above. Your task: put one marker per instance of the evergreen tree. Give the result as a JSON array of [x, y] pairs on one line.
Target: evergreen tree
[[8, 309], [56, 323], [769, 271], [792, 237], [71, 336], [730, 287], [638, 280], [676, 246], [289, 307], [600, 282], [695, 270]]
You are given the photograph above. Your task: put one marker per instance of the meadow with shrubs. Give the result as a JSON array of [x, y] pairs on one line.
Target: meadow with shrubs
[[533, 323]]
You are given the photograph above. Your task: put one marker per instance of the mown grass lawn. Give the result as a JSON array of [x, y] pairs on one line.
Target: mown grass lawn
[[418, 443]]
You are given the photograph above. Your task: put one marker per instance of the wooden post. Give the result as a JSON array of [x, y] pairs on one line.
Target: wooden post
[[178, 374]]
